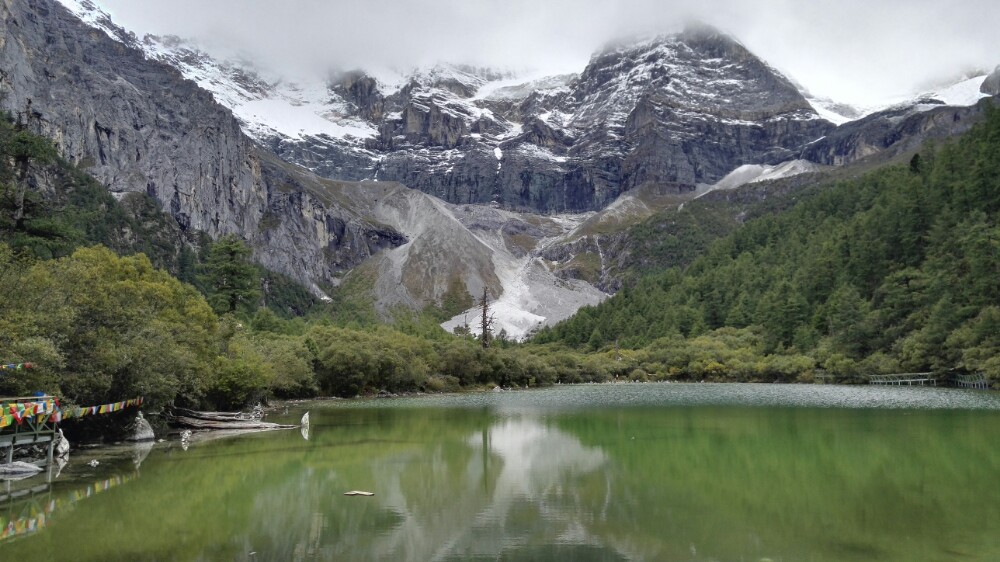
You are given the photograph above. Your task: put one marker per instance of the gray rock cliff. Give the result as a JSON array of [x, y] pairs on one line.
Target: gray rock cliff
[[991, 85], [890, 132], [138, 125]]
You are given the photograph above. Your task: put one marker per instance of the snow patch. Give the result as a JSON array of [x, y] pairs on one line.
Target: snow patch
[[962, 94], [753, 173], [521, 87], [836, 113], [536, 151], [297, 121]]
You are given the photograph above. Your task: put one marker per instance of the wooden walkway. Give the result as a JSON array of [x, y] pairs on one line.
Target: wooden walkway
[[976, 380], [903, 378]]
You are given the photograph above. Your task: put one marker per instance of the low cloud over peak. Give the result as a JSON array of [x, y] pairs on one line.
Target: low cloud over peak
[[856, 51]]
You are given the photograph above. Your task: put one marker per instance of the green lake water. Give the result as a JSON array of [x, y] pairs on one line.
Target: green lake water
[[691, 472]]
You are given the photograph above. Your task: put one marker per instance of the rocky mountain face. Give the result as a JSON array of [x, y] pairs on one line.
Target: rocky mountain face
[[682, 109], [890, 132], [139, 125], [991, 85]]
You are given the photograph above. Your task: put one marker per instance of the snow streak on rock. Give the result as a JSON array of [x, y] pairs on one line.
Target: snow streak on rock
[[753, 173]]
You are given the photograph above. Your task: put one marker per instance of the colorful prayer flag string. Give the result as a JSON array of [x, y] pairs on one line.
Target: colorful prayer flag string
[[16, 366], [49, 409], [78, 412]]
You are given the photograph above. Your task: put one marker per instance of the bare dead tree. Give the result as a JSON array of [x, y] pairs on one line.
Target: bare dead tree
[[486, 327]]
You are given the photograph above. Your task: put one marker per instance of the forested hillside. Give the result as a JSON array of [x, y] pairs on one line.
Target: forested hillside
[[896, 270]]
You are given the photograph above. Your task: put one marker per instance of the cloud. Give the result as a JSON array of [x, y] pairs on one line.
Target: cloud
[[859, 51]]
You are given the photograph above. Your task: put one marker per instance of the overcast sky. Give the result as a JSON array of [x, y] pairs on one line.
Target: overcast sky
[[856, 51]]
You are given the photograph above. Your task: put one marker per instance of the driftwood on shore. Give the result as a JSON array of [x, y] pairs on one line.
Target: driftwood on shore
[[254, 415], [182, 417]]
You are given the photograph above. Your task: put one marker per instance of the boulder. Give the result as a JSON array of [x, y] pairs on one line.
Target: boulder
[[140, 430]]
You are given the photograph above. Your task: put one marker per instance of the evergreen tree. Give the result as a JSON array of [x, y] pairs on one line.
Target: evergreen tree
[[231, 280]]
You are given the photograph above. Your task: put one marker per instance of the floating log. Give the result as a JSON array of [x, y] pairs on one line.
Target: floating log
[[358, 493]]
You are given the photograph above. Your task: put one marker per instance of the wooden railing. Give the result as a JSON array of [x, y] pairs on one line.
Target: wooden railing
[[975, 380], [903, 378]]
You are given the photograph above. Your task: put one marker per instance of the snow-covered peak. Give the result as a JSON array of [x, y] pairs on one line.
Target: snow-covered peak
[[95, 16], [699, 71], [690, 31], [86, 10], [265, 104]]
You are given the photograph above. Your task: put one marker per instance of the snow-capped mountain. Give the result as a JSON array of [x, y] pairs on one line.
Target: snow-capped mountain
[[683, 109], [647, 123]]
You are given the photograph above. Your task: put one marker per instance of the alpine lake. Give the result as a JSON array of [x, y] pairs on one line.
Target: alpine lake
[[666, 471]]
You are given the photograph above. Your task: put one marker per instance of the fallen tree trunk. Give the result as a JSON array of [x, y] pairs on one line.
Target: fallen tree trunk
[[256, 415], [198, 423]]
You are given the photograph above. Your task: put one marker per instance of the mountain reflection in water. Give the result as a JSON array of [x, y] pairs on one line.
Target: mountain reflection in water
[[507, 487]]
